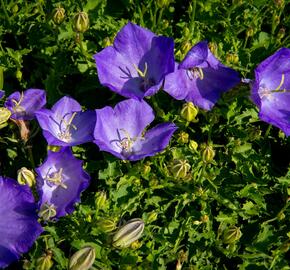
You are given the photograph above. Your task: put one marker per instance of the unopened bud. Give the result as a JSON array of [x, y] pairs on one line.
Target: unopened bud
[[18, 74], [146, 168], [180, 168], [25, 177], [281, 33], [183, 137], [231, 235], [101, 200], [47, 211], [44, 262], [152, 217], [163, 3], [189, 112], [107, 225], [81, 22], [250, 32], [128, 233], [4, 115], [192, 145], [208, 154], [58, 15], [232, 58], [82, 259]]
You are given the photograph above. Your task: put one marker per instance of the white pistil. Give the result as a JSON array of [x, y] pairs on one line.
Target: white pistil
[[195, 73], [65, 134], [17, 107], [141, 73], [56, 178]]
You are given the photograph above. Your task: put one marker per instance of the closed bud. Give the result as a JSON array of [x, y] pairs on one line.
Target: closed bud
[[231, 235], [128, 233], [163, 3], [152, 217], [107, 225], [81, 22], [232, 58], [189, 112], [180, 168], [281, 33], [47, 211], [250, 32], [82, 259], [4, 115], [146, 168], [183, 137], [15, 9], [192, 145], [25, 177], [58, 15], [101, 200], [208, 154], [18, 74], [44, 262]]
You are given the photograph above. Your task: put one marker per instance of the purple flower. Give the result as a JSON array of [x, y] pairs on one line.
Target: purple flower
[[2, 93], [18, 223], [200, 78], [60, 181], [24, 105], [137, 62], [65, 124], [271, 90], [121, 131]]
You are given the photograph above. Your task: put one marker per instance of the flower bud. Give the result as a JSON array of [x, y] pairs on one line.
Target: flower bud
[[47, 211], [146, 168], [192, 145], [231, 235], [25, 177], [81, 22], [183, 137], [101, 200], [250, 32], [107, 225], [152, 217], [4, 115], [18, 74], [180, 168], [128, 233], [189, 112], [208, 154], [163, 3], [232, 58], [82, 259], [15, 9], [281, 33], [44, 262], [58, 15]]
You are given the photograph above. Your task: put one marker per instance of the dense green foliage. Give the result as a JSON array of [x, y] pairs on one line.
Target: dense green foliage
[[230, 210]]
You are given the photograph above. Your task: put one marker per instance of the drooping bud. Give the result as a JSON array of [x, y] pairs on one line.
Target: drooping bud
[[47, 211], [25, 177], [192, 145], [81, 22], [44, 262], [189, 112], [208, 154], [107, 225], [4, 116], [58, 15], [128, 233], [82, 259], [101, 200], [231, 235], [183, 137], [180, 168]]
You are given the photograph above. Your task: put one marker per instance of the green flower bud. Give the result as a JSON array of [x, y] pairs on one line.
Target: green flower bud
[[47, 211], [25, 177], [101, 200], [44, 262], [163, 3], [281, 33], [146, 168], [192, 145], [128, 233], [152, 217], [250, 32], [15, 9], [189, 112], [107, 225], [58, 15], [18, 74], [208, 154], [231, 235], [81, 22], [53, 148], [232, 58], [180, 168], [4, 115], [183, 137], [82, 259]]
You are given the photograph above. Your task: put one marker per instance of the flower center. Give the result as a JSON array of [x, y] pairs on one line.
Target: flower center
[[47, 211], [195, 73], [65, 128], [55, 178]]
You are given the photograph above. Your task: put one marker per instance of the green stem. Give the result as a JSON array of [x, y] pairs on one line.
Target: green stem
[[160, 17], [5, 12], [192, 16]]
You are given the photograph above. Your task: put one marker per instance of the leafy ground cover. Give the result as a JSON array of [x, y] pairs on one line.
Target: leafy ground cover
[[217, 197]]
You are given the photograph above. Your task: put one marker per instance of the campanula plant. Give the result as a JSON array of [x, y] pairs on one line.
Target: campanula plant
[[137, 63], [19, 227], [60, 181], [271, 90], [65, 124], [121, 130], [200, 78]]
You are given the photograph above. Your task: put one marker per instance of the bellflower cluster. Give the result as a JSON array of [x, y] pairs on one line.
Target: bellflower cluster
[[65, 124], [200, 78], [125, 135], [271, 90], [60, 181], [137, 63], [23, 105], [18, 224]]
